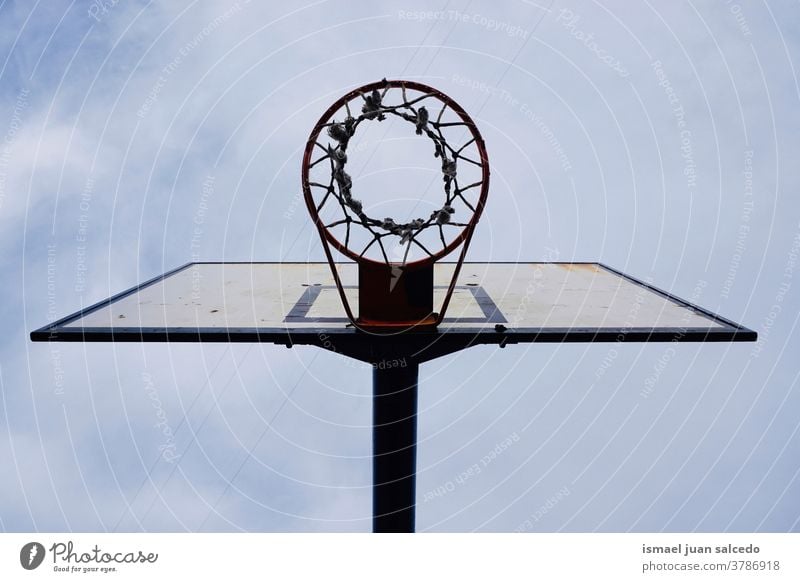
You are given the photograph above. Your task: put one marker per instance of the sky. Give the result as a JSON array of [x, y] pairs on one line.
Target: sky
[[658, 138]]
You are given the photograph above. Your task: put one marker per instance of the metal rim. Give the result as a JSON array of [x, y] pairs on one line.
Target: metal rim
[[465, 233]]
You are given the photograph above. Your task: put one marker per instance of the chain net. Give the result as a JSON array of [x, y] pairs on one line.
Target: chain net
[[431, 118]]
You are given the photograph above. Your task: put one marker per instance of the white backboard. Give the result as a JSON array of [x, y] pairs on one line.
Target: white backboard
[[292, 303]]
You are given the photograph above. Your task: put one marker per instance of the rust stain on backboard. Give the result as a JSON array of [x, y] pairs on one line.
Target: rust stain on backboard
[[590, 267]]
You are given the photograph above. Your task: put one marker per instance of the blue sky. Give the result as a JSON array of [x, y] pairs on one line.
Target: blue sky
[[659, 138]]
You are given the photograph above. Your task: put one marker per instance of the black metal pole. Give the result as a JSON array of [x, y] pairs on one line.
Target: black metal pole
[[394, 445]]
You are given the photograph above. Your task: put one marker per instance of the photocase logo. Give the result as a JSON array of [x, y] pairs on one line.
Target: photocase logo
[[31, 555]]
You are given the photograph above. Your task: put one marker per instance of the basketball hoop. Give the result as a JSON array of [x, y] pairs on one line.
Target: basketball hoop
[[395, 289], [289, 303]]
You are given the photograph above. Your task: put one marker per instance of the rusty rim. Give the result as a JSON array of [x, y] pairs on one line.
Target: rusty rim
[[447, 102]]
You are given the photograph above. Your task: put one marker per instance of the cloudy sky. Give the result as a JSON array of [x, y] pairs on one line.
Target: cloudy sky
[[659, 138]]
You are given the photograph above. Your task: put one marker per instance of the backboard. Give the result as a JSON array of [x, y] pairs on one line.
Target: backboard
[[298, 303]]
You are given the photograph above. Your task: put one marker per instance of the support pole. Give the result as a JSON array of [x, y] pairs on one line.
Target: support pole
[[394, 446]]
